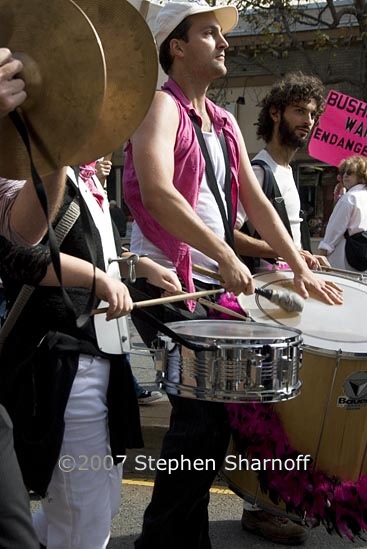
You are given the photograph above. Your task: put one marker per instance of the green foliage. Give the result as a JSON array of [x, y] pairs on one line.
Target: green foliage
[[278, 25]]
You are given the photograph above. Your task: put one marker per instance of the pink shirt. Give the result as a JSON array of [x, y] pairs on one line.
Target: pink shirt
[[188, 174]]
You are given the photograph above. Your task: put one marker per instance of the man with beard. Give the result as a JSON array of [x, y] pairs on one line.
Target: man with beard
[[288, 113]]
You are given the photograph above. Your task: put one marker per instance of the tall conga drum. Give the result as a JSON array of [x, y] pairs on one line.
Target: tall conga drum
[[328, 421]]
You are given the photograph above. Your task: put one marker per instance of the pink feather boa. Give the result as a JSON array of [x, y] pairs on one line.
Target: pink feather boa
[[340, 505], [257, 430], [230, 301]]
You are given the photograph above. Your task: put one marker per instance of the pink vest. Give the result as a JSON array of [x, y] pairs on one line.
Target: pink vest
[[188, 174]]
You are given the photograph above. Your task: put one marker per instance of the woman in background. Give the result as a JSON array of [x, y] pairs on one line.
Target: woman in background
[[349, 216]]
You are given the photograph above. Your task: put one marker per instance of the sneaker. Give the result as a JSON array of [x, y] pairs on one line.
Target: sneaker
[[146, 397], [275, 528]]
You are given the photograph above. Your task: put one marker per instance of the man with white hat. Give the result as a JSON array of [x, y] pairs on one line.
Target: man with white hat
[[178, 222]]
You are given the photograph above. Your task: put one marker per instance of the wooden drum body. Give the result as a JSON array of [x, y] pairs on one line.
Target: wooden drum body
[[329, 419]]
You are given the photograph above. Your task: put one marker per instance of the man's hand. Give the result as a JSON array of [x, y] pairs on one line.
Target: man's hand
[[115, 293], [12, 92], [328, 292], [103, 169], [160, 276], [314, 262], [323, 262], [236, 277]]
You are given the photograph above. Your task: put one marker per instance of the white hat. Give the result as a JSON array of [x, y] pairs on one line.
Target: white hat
[[173, 13]]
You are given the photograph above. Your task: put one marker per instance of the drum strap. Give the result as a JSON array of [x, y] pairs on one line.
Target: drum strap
[[272, 192], [173, 314], [61, 230], [212, 181]]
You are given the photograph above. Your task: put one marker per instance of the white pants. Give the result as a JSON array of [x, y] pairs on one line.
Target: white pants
[[85, 489]]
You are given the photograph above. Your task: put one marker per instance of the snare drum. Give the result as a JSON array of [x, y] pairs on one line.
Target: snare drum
[[329, 419], [231, 361]]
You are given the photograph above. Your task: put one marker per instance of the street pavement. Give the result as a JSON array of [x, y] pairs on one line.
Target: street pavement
[[225, 529]]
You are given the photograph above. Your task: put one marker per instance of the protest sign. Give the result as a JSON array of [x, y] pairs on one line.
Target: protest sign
[[342, 129]]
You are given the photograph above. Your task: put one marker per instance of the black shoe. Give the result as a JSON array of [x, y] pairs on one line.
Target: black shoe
[[146, 397]]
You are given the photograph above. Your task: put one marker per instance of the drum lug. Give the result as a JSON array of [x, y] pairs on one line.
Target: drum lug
[[288, 372], [160, 359], [255, 364]]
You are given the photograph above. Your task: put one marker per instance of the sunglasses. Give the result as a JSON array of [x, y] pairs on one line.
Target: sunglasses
[[347, 172]]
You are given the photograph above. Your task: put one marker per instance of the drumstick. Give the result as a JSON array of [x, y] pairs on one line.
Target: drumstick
[[168, 299], [342, 271], [222, 309], [289, 301]]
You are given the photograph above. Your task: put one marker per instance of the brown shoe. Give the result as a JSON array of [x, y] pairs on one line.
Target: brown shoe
[[273, 527]]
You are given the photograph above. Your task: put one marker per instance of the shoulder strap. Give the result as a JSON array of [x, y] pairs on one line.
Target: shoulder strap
[[268, 183], [305, 233], [213, 185], [272, 191], [227, 183], [67, 221]]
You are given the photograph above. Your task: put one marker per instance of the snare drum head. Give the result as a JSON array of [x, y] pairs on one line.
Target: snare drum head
[[209, 331], [326, 328]]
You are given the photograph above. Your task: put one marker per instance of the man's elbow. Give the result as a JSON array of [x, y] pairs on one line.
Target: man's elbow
[[153, 203]]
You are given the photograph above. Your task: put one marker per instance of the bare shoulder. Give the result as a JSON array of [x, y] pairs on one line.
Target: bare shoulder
[[161, 119], [164, 106]]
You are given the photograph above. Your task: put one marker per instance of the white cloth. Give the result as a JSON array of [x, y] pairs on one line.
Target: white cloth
[[207, 210], [288, 190], [80, 504], [115, 340], [350, 213]]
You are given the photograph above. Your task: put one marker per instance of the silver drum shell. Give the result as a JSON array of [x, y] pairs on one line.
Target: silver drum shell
[[234, 361]]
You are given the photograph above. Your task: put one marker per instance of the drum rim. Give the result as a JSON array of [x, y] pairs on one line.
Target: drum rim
[[313, 349], [333, 353], [227, 397]]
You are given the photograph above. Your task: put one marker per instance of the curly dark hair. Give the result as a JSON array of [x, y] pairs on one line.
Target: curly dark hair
[[181, 33], [294, 87]]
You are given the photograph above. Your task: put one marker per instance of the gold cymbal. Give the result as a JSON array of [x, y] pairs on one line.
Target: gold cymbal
[[65, 75], [132, 71]]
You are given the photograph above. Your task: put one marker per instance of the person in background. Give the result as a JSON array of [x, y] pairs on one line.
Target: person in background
[[179, 224], [21, 220], [339, 189], [349, 216], [118, 217], [288, 114]]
